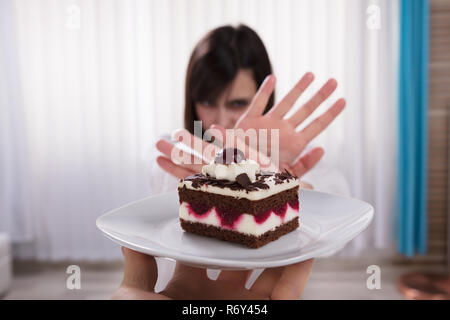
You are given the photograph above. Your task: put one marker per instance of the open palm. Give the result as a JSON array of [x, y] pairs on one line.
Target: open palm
[[292, 141]]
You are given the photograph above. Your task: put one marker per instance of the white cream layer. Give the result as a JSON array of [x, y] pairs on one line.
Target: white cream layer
[[232, 170], [251, 195], [245, 224]]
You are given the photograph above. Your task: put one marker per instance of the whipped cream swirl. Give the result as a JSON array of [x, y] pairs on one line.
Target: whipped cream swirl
[[231, 170]]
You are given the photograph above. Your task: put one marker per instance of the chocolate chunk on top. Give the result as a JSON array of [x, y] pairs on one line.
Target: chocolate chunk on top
[[243, 180]]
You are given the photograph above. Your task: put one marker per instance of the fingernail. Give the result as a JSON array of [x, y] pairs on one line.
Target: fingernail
[[269, 79], [321, 152], [333, 81], [342, 103], [272, 78], [309, 76]]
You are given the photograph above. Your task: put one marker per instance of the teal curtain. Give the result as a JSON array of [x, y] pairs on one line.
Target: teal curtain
[[413, 119]]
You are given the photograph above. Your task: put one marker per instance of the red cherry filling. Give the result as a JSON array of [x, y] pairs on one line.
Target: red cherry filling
[[228, 218], [262, 216], [281, 210], [198, 210], [294, 204]]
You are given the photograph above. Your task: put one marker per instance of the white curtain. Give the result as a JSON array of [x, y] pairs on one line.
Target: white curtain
[[97, 81], [14, 157]]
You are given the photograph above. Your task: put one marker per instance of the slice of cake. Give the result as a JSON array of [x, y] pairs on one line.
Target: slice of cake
[[233, 200]]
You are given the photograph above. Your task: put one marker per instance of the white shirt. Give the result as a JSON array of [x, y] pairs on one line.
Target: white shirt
[[323, 177]]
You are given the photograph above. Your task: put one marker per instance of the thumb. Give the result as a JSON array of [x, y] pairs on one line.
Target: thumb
[[141, 271], [307, 161]]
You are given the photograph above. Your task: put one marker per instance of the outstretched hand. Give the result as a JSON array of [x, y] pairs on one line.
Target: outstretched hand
[[194, 164], [292, 141], [141, 274]]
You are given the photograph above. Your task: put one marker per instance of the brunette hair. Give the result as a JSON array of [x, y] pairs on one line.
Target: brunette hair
[[215, 62]]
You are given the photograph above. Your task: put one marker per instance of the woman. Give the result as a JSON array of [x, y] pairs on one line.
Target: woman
[[224, 73], [225, 70]]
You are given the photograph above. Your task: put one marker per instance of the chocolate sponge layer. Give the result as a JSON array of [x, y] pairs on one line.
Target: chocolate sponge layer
[[238, 237], [232, 204]]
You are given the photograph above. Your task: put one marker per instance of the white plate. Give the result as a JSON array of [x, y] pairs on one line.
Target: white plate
[[151, 225]]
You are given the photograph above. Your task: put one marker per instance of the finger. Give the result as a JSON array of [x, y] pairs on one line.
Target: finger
[[184, 271], [318, 125], [252, 152], [292, 281], [126, 293], [176, 153], [260, 100], [312, 104], [201, 148], [141, 271], [289, 100], [187, 283], [186, 159], [306, 185], [307, 161], [267, 281], [174, 169], [237, 277], [197, 289]]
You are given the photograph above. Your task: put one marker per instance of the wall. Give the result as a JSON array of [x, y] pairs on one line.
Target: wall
[[439, 103]]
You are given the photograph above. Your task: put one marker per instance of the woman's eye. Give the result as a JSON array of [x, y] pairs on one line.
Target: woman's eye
[[207, 104], [238, 104]]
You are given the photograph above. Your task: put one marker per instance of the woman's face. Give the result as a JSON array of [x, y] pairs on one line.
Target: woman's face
[[231, 103]]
